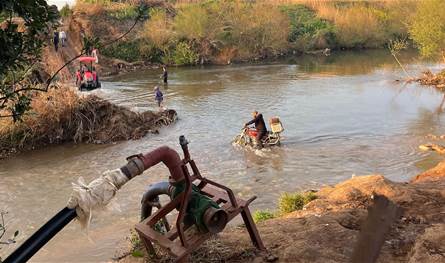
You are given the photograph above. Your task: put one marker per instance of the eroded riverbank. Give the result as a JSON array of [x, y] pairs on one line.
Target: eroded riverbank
[[62, 115]]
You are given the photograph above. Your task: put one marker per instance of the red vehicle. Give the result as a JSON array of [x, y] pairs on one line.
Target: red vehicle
[[86, 75]]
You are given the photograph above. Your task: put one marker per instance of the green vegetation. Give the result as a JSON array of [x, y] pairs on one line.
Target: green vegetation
[[21, 44], [135, 244], [123, 12], [287, 203], [125, 50], [290, 202], [24, 31], [181, 55], [307, 31], [210, 31], [65, 11], [137, 254], [262, 215], [428, 27]]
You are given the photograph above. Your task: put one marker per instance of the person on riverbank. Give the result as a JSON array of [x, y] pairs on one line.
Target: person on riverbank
[[94, 54], [56, 40], [62, 36], [260, 126], [159, 97], [164, 74]]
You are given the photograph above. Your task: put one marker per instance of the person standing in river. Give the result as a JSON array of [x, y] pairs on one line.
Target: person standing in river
[[164, 74], [159, 97]]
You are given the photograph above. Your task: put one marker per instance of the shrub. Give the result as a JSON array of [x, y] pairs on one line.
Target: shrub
[[192, 22], [262, 215], [158, 29], [366, 24], [125, 50], [291, 202], [181, 55], [123, 12], [150, 52], [256, 28], [304, 25], [358, 26], [428, 27]]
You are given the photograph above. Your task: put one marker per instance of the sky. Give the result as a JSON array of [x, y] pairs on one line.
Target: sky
[[60, 3]]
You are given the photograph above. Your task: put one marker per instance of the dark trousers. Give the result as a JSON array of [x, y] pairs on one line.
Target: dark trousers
[[260, 136]]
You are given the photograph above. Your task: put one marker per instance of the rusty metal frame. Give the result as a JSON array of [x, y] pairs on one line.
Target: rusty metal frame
[[221, 194]]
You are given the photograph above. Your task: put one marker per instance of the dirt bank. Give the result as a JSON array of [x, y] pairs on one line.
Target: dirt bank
[[61, 115], [327, 228]]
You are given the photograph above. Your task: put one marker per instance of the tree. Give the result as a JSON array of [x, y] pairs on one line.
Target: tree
[[65, 11], [428, 27], [24, 26]]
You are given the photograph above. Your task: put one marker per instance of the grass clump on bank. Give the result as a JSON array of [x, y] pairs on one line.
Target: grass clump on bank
[[287, 203], [290, 202], [262, 215]]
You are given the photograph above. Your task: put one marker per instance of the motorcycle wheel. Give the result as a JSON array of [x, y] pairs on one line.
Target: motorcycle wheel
[[240, 139]]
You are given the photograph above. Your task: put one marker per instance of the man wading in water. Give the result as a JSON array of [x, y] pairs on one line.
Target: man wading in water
[[260, 126], [164, 74], [159, 97]]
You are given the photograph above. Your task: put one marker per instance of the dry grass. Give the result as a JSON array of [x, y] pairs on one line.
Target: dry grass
[[430, 79], [60, 115], [211, 251], [158, 29]]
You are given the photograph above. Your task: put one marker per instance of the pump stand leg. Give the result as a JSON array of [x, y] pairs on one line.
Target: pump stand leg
[[149, 246], [251, 228]]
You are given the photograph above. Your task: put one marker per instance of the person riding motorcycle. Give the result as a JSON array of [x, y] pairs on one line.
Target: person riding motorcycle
[[260, 126]]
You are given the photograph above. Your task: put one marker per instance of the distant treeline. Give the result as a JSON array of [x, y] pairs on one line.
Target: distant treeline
[[221, 31]]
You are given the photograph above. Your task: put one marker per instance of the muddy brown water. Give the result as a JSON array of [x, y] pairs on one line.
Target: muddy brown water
[[343, 115]]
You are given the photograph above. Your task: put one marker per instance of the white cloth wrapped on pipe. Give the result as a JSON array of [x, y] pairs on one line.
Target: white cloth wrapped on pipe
[[95, 195]]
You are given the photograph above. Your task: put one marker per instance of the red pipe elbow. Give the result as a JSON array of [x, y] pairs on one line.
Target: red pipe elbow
[[138, 164], [169, 157]]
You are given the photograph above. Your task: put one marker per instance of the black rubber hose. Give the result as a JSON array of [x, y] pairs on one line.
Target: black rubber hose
[[152, 196], [24, 252]]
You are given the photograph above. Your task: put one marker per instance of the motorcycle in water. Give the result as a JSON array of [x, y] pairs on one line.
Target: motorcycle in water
[[247, 137]]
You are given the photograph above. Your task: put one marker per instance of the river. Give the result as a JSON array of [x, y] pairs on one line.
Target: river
[[343, 115]]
